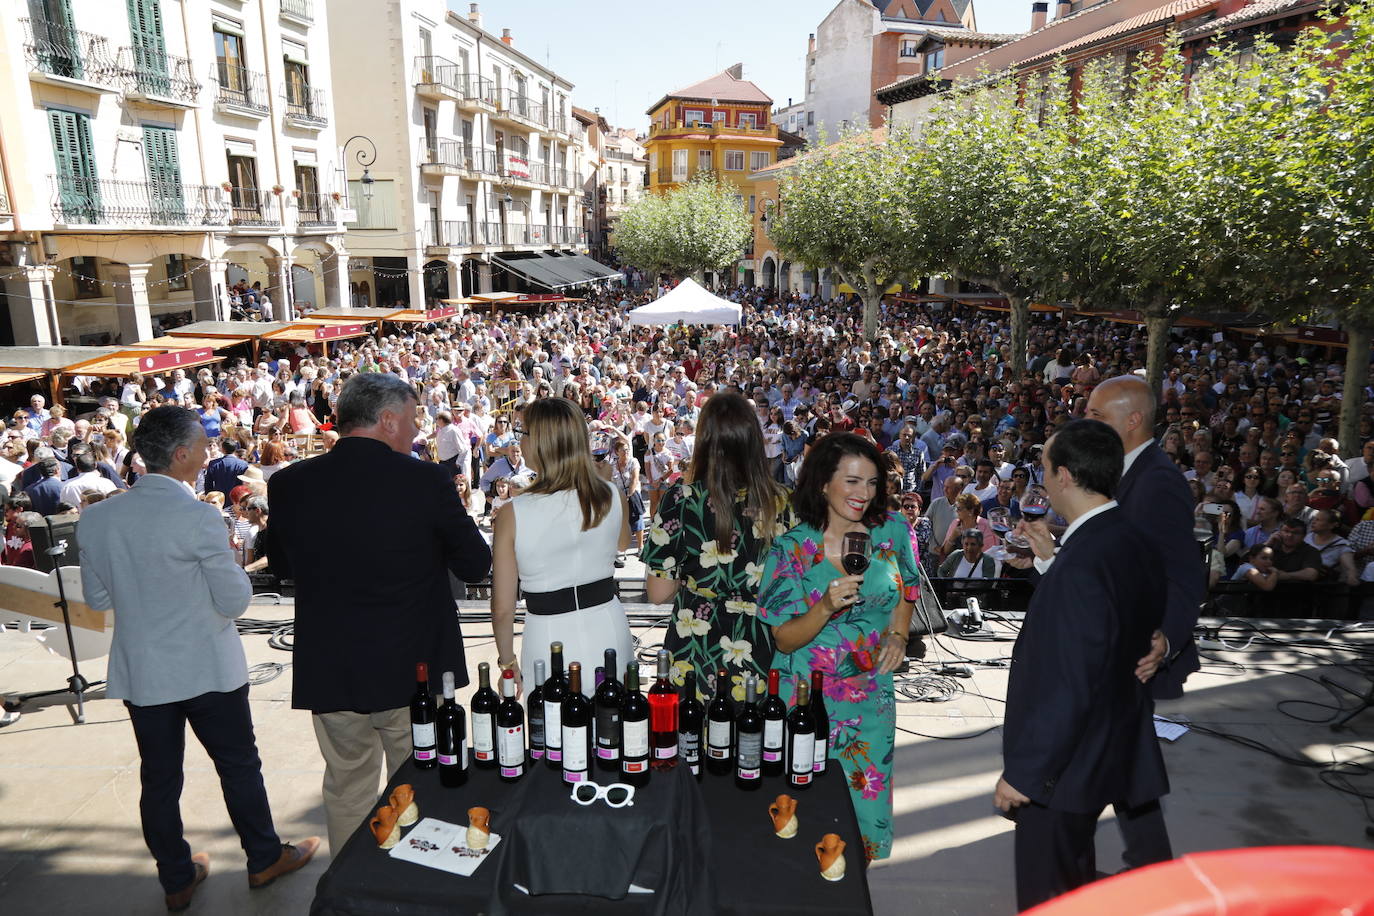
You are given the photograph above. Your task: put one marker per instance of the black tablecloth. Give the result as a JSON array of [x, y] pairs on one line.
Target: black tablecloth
[[753, 871]]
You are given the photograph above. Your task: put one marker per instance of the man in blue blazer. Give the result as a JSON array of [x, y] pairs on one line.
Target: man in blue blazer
[[1079, 731], [46, 493]]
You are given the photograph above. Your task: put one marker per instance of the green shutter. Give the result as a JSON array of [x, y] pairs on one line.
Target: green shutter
[[150, 52], [59, 52], [78, 192], [164, 175]]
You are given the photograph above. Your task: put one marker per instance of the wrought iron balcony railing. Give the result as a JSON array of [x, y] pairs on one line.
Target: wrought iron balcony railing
[[303, 10], [450, 233], [314, 209], [155, 73], [59, 50], [253, 207], [239, 87], [445, 74], [306, 104], [106, 202]]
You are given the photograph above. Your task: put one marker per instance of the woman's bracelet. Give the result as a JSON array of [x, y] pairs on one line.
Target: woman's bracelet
[[893, 631], [507, 666]]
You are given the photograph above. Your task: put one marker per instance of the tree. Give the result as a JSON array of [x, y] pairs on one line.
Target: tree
[[699, 226], [845, 207]]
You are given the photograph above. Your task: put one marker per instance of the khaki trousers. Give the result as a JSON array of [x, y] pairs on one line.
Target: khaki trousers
[[353, 744]]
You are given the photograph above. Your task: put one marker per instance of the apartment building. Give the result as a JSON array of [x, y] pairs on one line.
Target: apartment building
[[625, 173], [476, 175], [155, 152]]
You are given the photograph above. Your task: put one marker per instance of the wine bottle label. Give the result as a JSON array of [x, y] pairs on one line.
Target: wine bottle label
[[607, 734], [718, 740], [511, 747], [448, 760], [537, 733], [821, 750], [750, 753], [483, 747], [422, 737], [463, 753], [553, 728], [574, 749], [772, 740], [803, 754], [637, 739], [691, 746], [666, 751], [800, 779]]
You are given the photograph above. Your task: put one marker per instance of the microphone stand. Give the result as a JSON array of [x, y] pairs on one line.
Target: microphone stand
[[77, 683]]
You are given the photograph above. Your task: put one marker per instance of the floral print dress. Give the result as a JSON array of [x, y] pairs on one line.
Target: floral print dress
[[860, 702], [715, 623]]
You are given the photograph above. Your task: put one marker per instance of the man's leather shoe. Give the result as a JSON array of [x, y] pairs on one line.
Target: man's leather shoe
[[292, 858], [182, 898]]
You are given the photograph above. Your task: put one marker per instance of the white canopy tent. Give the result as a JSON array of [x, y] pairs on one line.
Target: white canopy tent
[[688, 303]]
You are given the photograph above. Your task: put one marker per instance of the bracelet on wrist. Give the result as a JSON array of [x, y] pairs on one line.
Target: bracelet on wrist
[[892, 631], [507, 666]]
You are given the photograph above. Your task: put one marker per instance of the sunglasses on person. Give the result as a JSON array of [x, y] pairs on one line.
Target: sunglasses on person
[[617, 794], [1252, 477], [906, 506]]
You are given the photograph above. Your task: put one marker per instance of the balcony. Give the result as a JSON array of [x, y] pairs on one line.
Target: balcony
[[253, 208], [69, 57], [314, 209], [445, 235], [104, 202], [454, 157], [767, 131], [566, 235], [439, 78], [239, 91], [301, 12], [521, 111], [306, 108], [158, 78]]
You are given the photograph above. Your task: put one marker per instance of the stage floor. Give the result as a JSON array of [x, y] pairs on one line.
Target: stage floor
[[70, 839]]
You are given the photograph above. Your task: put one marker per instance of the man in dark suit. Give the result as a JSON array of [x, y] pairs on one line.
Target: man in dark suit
[[222, 474], [47, 492], [1079, 731], [372, 588]]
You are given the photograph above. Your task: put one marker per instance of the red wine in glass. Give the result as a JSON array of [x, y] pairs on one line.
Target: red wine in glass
[[854, 552]]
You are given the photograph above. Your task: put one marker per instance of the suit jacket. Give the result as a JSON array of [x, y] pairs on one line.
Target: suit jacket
[[46, 494], [369, 536], [1079, 731], [161, 559], [1157, 500], [222, 474]]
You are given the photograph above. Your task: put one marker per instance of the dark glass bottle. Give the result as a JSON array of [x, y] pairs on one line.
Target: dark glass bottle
[[691, 714], [634, 725], [575, 722], [607, 702], [510, 731], [801, 742], [555, 691], [749, 740], [422, 716], [483, 706], [663, 716], [452, 736], [821, 718], [720, 727], [535, 706], [774, 727]]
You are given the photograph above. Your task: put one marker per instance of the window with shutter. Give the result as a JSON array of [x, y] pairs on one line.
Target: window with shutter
[[164, 175], [59, 52], [78, 192], [149, 49]]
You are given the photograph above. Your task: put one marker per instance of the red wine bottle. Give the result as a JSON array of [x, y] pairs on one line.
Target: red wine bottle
[[720, 727], [422, 715], [821, 718], [452, 735], [609, 698], [691, 714], [663, 716], [535, 704], [634, 731], [575, 722], [749, 740], [774, 727], [801, 742], [510, 731], [483, 706], [555, 691]]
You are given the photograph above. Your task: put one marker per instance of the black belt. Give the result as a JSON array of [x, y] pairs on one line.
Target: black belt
[[572, 598]]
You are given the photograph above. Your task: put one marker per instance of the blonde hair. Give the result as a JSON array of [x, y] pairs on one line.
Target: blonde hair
[[558, 446]]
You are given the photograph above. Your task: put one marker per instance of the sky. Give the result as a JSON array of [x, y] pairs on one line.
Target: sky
[[623, 56]]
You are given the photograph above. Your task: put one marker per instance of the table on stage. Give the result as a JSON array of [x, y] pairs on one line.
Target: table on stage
[[751, 870]]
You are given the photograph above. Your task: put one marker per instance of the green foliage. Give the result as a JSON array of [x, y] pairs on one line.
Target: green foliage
[[699, 226]]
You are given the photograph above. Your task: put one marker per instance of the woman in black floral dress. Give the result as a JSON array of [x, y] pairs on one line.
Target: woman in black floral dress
[[709, 563]]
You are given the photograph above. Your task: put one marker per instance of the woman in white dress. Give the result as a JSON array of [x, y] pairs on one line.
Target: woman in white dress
[[558, 541]]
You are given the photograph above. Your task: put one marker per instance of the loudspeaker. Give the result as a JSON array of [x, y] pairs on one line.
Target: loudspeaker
[[928, 618], [58, 528]]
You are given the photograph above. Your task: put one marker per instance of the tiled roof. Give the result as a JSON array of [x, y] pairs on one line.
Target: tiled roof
[[1259, 10], [965, 35], [723, 86], [1166, 13]]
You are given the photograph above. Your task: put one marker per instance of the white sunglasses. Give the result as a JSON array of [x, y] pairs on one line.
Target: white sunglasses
[[617, 794]]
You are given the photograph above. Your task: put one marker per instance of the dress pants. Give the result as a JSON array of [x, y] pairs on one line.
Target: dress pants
[[353, 744], [1145, 834], [1055, 853], [224, 727]]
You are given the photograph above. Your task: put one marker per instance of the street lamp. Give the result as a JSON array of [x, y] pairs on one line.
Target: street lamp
[[364, 160]]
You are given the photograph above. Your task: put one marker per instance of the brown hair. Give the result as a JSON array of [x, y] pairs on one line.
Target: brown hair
[[557, 445], [728, 458]]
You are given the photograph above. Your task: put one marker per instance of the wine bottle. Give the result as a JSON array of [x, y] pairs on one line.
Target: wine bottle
[[422, 715], [774, 726], [663, 715], [452, 738], [801, 742], [690, 716], [510, 731], [821, 718], [634, 726], [555, 691], [607, 702], [483, 705], [749, 740], [535, 702], [575, 723], [720, 727]]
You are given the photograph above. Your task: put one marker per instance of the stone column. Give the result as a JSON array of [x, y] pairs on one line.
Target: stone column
[[26, 289], [455, 278], [415, 281], [484, 277], [334, 274], [279, 288], [131, 302], [211, 287]]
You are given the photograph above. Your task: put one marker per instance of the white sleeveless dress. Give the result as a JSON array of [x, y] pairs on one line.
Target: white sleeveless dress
[[553, 552]]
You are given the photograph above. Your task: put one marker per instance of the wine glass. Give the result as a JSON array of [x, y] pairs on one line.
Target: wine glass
[[1000, 519], [854, 547], [1035, 505]]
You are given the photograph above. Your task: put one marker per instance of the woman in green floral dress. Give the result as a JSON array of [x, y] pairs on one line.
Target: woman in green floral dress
[[851, 627], [709, 563]]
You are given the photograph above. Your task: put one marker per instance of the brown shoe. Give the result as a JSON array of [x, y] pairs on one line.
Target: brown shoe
[[292, 858], [182, 898]]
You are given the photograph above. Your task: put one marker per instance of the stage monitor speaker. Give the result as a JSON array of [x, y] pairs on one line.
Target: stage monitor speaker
[[58, 528], [928, 617]]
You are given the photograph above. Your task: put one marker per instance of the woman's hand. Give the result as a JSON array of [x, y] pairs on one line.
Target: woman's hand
[[840, 594], [515, 669], [892, 652]]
